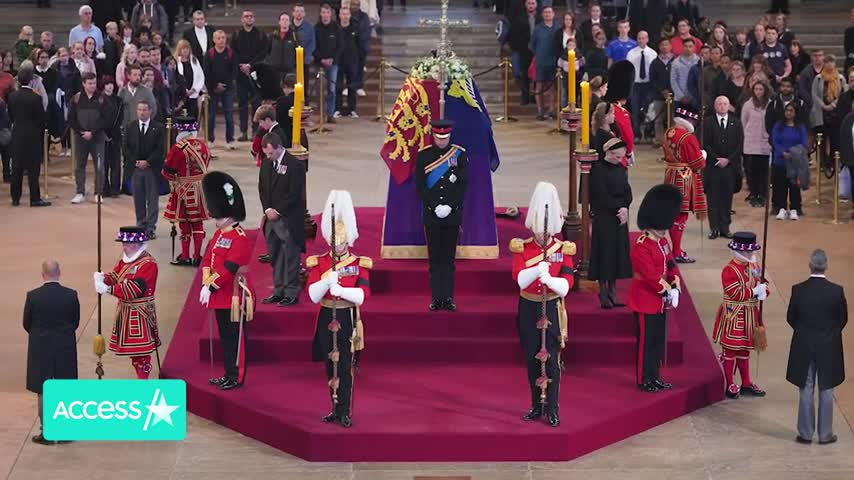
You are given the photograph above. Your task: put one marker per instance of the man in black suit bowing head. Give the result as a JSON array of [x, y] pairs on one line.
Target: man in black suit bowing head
[[281, 186]]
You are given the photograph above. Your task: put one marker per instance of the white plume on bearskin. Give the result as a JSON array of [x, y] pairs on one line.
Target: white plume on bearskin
[[544, 194], [345, 216]]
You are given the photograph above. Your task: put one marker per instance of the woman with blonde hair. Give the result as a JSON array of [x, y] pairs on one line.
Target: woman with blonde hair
[[601, 127], [190, 70], [827, 87], [129, 55]]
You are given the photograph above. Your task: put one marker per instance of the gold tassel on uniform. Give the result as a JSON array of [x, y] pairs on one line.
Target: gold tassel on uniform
[[99, 345], [760, 338]]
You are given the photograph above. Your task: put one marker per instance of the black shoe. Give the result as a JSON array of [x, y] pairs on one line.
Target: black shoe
[[648, 387], [41, 440], [288, 301], [731, 394], [16, 203], [435, 305], [345, 421], [196, 262], [152, 235], [752, 390], [182, 262], [243, 137], [661, 384], [684, 259], [534, 414], [802, 440], [229, 384], [273, 299], [218, 380], [605, 304], [553, 419], [39, 203], [713, 234], [832, 439], [449, 305], [727, 235], [266, 258], [331, 418]]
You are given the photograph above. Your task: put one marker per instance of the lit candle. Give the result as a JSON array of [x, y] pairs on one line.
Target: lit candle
[[585, 114], [300, 66], [297, 115], [570, 77]]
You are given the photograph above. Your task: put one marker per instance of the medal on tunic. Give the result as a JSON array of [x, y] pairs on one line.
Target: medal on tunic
[[452, 178]]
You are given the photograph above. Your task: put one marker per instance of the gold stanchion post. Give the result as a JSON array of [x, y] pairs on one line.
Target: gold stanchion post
[[321, 128], [45, 157], [506, 67], [203, 117], [835, 220], [381, 116], [819, 145], [168, 134], [668, 104]]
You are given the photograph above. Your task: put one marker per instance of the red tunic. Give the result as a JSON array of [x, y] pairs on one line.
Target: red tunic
[[353, 272], [654, 274], [133, 284], [685, 164], [527, 253], [227, 251], [738, 314], [623, 120], [185, 166]]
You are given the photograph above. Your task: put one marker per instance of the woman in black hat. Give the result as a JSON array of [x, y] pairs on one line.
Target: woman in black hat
[[610, 197]]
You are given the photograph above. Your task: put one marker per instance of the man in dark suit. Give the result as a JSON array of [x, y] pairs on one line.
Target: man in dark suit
[[281, 186], [144, 147], [723, 140], [522, 22], [817, 313], [441, 179], [595, 18], [51, 317], [28, 116], [846, 136], [200, 35]]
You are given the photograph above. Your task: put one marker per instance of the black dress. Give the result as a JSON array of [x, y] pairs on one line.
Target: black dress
[[609, 246]]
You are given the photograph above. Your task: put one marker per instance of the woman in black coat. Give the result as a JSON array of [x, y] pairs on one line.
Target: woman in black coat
[[610, 198]]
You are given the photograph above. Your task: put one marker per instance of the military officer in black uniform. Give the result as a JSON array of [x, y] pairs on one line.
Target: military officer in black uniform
[[441, 176]]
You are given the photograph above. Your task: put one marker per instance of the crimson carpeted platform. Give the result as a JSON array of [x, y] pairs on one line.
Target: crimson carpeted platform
[[441, 386]]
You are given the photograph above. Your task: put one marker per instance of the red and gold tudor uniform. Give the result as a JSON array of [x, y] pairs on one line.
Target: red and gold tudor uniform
[[186, 164], [526, 254], [133, 284], [739, 319], [685, 163], [353, 272], [228, 250]]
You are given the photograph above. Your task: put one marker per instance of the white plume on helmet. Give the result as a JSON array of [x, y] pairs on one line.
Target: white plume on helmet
[[344, 213], [544, 194]]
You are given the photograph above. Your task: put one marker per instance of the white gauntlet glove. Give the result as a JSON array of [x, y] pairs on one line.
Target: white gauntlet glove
[[101, 288], [336, 290], [673, 296], [761, 291], [332, 278], [205, 296]]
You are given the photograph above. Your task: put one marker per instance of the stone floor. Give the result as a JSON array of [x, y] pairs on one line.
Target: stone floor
[[752, 436]]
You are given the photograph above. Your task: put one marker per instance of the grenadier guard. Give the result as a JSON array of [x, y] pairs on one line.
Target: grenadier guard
[[339, 281], [441, 179], [226, 288], [655, 287], [186, 164], [543, 269], [738, 326], [621, 79], [685, 163], [133, 281]]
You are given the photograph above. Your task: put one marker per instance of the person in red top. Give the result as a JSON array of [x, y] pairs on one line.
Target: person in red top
[[621, 79], [226, 289], [543, 269], [683, 29], [685, 162], [655, 285], [186, 164], [739, 319], [133, 281], [339, 281]]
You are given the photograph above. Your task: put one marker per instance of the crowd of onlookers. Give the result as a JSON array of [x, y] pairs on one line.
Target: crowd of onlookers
[[764, 72], [134, 52]]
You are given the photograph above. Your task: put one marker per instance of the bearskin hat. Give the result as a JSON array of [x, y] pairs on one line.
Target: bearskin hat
[[659, 208], [267, 80], [223, 197], [621, 79]]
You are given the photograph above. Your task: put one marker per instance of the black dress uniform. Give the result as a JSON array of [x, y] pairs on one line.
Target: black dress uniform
[[441, 177]]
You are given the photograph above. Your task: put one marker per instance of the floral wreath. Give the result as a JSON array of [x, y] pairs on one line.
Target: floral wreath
[[428, 68]]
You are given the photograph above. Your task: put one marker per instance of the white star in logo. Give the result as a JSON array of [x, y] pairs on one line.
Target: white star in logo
[[160, 410]]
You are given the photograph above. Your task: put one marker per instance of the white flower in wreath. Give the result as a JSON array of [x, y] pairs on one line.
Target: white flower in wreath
[[434, 72]]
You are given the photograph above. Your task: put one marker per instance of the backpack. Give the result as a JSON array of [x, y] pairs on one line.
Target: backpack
[[228, 53]]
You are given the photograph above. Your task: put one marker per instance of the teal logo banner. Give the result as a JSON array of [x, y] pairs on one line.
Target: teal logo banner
[[115, 410]]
